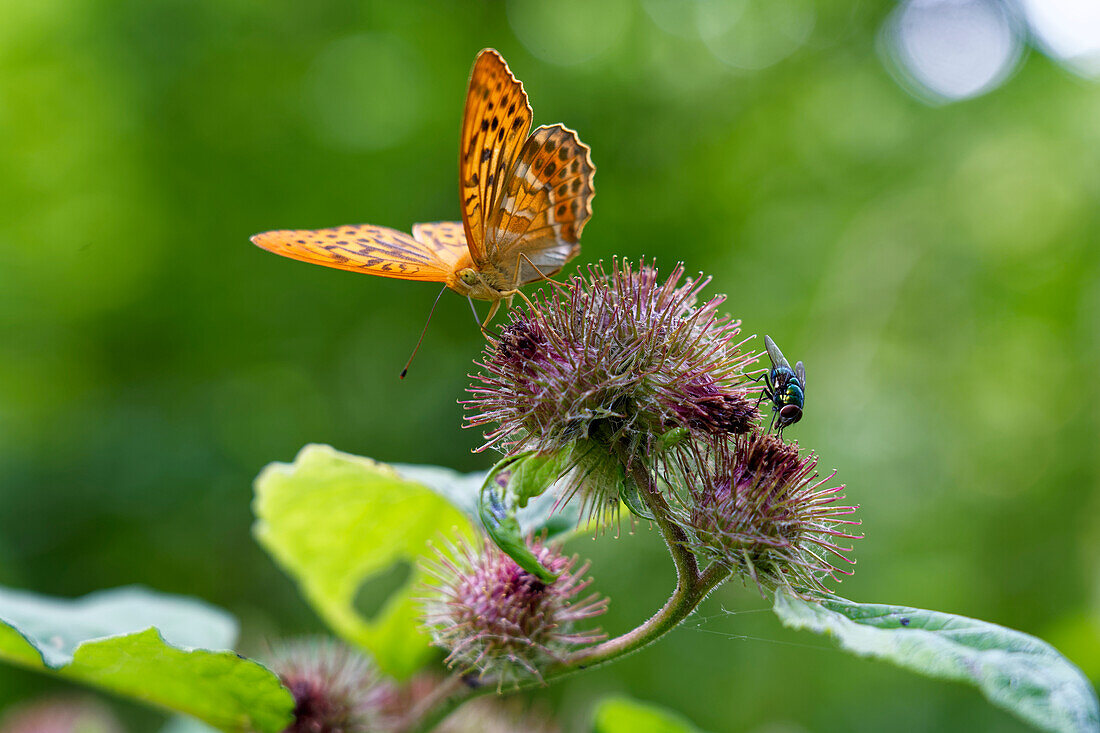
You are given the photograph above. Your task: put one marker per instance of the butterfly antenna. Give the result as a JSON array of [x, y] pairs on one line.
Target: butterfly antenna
[[405, 371]]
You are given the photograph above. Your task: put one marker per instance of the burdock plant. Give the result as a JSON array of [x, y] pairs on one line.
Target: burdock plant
[[631, 389], [501, 623], [620, 394], [624, 388], [611, 374]]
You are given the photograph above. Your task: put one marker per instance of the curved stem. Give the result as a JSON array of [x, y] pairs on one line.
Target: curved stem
[[692, 586], [687, 567]]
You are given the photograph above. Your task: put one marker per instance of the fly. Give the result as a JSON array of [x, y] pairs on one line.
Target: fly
[[784, 387]]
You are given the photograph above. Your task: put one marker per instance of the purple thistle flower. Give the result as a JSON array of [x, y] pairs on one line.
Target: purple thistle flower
[[499, 621], [60, 715], [761, 510], [487, 715], [608, 363], [336, 689]]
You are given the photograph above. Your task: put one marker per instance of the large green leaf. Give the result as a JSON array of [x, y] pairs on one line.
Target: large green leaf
[[623, 715], [1015, 671], [511, 505], [166, 651], [181, 724], [543, 513], [335, 521]]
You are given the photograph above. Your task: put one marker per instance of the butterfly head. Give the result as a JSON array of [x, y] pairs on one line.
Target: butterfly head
[[469, 283], [468, 276]]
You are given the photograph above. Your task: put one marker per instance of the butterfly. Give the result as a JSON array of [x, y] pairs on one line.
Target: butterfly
[[525, 199]]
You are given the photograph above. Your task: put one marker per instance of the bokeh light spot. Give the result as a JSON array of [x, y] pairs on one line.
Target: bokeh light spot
[[1069, 30], [756, 34], [364, 92], [569, 31], [680, 17], [949, 50], [1018, 195]]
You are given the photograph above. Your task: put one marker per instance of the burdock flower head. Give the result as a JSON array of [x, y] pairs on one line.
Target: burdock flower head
[[759, 507], [60, 715], [500, 622], [335, 689], [609, 363]]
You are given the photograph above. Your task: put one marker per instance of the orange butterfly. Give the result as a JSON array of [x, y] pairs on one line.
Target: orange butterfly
[[524, 199]]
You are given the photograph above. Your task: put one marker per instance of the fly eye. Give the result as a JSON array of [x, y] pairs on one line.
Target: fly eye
[[790, 412]]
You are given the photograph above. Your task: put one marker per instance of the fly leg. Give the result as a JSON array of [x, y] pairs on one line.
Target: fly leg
[[768, 390]]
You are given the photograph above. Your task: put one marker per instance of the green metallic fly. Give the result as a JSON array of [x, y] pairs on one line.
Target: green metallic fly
[[785, 387]]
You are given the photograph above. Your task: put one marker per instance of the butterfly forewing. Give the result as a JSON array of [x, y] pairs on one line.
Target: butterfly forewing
[[536, 228], [494, 127], [524, 203], [361, 248]]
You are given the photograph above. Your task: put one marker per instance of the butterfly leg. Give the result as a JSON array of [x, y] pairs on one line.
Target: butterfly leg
[[542, 275], [526, 300], [492, 312]]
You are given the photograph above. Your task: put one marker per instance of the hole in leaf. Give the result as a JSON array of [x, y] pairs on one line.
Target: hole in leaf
[[375, 590]]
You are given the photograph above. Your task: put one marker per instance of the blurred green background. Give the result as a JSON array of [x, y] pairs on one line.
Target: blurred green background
[[935, 265]]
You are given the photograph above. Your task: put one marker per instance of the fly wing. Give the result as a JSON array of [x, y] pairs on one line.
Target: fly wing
[[775, 354], [800, 372]]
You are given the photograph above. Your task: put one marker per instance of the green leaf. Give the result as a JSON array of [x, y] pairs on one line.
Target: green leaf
[[508, 488], [623, 715], [1015, 671], [631, 495], [180, 724], [166, 651], [541, 514], [335, 521]]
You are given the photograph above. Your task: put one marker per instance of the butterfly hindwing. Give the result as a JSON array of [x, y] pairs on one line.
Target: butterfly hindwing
[[447, 239], [495, 124], [546, 202], [359, 248]]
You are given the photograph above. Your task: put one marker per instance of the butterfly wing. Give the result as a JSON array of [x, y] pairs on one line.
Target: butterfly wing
[[447, 240], [367, 248], [495, 124], [536, 226]]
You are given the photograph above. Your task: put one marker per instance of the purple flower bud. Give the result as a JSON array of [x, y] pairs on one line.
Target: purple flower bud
[[761, 510], [60, 715], [335, 688], [607, 364], [489, 715], [500, 622]]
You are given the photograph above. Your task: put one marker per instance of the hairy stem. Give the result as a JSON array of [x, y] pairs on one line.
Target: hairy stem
[[692, 586]]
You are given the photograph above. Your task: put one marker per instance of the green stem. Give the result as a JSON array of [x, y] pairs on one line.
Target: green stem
[[692, 586]]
